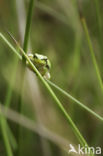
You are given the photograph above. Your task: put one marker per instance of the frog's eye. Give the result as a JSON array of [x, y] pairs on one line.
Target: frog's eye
[[45, 59], [48, 64], [34, 56]]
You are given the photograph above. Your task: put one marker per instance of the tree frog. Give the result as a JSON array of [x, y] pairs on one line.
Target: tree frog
[[42, 63]]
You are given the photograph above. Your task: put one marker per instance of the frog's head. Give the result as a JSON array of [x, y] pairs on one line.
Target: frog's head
[[42, 58]]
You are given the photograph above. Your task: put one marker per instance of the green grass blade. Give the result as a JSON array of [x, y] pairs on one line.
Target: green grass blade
[[10, 46], [11, 137], [92, 54], [8, 137], [10, 86], [76, 101], [97, 6], [7, 102], [5, 136], [25, 47], [28, 23]]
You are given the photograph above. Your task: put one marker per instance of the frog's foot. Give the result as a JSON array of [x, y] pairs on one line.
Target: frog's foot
[[47, 75]]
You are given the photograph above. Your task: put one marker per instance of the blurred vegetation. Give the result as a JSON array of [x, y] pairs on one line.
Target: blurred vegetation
[[57, 32]]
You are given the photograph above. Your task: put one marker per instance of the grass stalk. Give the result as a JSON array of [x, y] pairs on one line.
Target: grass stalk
[[25, 48], [25, 45], [28, 23], [97, 6], [7, 104], [5, 136], [76, 131], [11, 137], [76, 101], [9, 91], [10, 46], [92, 54], [8, 137]]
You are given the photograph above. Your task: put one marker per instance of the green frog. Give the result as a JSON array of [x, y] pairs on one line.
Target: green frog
[[42, 63]]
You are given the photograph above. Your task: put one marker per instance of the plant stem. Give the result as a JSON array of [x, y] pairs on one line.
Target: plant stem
[[28, 23], [97, 6], [7, 104], [75, 100], [92, 53], [25, 48], [25, 45], [10, 46], [9, 91], [5, 129], [5, 136]]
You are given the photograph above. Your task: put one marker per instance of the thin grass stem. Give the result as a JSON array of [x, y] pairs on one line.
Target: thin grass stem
[[28, 23], [5, 136], [10, 46], [97, 6], [76, 101], [92, 54], [4, 125], [25, 48]]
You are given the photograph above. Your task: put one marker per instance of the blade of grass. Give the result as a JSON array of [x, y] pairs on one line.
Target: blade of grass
[[10, 46], [76, 131], [5, 136], [11, 137], [7, 104], [25, 48], [76, 101], [92, 54], [28, 23], [10, 86], [97, 6], [8, 137]]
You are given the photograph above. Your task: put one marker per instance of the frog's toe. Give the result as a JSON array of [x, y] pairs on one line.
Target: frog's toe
[[47, 75]]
